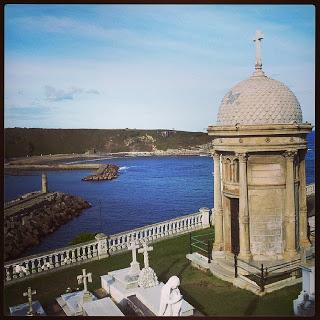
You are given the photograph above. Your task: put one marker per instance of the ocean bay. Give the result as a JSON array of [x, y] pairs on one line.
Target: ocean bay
[[148, 190]]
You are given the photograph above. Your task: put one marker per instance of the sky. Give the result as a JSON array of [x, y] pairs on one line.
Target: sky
[[147, 66]]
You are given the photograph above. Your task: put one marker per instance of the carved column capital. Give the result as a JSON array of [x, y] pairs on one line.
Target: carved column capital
[[243, 157], [215, 154], [290, 154]]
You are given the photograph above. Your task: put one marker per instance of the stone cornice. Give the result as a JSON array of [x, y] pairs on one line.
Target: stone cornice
[[260, 130]]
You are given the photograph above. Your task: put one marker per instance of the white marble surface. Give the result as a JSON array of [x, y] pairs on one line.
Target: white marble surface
[[150, 297], [22, 309], [102, 307], [71, 302]]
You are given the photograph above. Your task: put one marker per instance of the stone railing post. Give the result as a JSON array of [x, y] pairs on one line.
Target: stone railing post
[[212, 217], [205, 217], [102, 245]]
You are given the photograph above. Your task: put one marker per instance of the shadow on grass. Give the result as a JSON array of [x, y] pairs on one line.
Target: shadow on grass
[[252, 306]]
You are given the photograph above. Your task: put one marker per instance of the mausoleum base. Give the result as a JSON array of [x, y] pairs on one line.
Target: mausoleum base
[[223, 268]]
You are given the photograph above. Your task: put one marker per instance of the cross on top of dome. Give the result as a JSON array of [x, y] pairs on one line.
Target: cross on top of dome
[[258, 65]]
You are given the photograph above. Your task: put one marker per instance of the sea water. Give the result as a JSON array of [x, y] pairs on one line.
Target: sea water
[[148, 190]]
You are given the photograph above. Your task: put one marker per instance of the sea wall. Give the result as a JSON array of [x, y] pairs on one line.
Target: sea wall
[[34, 217]]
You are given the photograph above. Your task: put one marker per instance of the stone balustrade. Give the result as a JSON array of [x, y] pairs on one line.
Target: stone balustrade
[[310, 189], [102, 246]]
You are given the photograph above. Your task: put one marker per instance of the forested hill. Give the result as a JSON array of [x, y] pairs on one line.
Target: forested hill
[[24, 141]]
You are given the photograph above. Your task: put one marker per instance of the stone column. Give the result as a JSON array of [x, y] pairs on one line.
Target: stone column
[[290, 249], [218, 220], [102, 245], [205, 217], [244, 235], [303, 218]]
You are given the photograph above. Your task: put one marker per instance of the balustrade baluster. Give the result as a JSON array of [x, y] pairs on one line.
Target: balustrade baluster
[[26, 265], [68, 256], [14, 274], [84, 253], [89, 252], [95, 250], [51, 266], [39, 265], [33, 267], [62, 261], [79, 254], [8, 275], [73, 255], [44, 266], [56, 260]]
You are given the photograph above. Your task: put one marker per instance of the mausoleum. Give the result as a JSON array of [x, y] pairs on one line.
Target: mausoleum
[[259, 148]]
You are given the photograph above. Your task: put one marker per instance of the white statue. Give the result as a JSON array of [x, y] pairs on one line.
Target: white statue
[[171, 298]]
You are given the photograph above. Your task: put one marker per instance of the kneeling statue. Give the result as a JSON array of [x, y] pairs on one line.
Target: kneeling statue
[[171, 298]]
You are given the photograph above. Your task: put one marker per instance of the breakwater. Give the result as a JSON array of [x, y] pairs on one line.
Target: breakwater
[[31, 218], [105, 172], [12, 168]]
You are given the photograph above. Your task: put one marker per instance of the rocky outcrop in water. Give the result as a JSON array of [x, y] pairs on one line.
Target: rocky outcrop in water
[[105, 172], [28, 222]]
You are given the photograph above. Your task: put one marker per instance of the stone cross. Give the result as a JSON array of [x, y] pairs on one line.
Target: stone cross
[[145, 250], [257, 40], [29, 294], [83, 279], [133, 246]]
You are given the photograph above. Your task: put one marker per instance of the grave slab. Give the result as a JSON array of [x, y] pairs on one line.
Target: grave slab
[[71, 303], [22, 309], [150, 297], [102, 307]]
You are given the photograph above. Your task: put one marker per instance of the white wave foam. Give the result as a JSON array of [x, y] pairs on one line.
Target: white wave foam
[[123, 168]]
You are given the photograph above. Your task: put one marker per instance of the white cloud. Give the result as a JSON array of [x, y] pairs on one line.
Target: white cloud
[[53, 94]]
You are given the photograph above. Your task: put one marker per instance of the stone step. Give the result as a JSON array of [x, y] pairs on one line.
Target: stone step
[[227, 265], [221, 273]]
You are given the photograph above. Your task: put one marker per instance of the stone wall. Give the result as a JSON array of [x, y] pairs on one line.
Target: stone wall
[[266, 181]]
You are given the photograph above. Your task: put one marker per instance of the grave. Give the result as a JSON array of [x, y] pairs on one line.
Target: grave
[[143, 294], [31, 308], [102, 307], [72, 303], [304, 305]]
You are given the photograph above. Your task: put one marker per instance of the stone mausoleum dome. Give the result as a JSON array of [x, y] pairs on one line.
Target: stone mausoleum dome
[[259, 100]]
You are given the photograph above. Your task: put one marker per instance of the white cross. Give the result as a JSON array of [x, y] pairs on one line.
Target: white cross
[[83, 279], [145, 250], [133, 246], [257, 40], [29, 294]]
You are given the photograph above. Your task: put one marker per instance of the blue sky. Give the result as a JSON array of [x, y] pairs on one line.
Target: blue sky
[[147, 66]]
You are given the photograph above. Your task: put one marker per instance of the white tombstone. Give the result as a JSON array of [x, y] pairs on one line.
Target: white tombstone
[[72, 302], [134, 265], [83, 278], [147, 276], [304, 305]]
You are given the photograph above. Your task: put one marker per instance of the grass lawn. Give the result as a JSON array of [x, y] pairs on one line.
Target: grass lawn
[[208, 294]]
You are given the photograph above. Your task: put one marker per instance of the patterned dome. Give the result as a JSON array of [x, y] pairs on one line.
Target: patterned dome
[[259, 100]]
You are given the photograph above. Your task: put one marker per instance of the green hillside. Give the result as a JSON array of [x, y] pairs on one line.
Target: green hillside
[[23, 141]]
